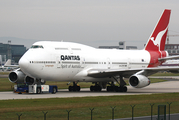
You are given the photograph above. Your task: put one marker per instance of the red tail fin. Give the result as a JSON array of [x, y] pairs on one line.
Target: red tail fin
[[157, 40]]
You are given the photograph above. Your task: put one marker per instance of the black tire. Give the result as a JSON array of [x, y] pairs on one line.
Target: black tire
[[78, 88], [91, 88], [96, 88], [38, 90], [54, 90], [116, 88], [70, 88], [99, 88], [124, 89], [110, 88]]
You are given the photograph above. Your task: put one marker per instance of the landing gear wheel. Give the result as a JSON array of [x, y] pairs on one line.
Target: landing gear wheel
[[70, 88], [78, 88], [95, 88], [54, 90], [74, 88], [110, 88], [124, 89], [116, 89], [98, 88], [38, 90], [91, 88], [121, 88]]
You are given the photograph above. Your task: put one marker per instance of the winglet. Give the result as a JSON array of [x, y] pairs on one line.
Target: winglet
[[157, 39]]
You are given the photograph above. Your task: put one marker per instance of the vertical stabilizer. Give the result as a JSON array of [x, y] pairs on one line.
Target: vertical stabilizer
[[157, 39]]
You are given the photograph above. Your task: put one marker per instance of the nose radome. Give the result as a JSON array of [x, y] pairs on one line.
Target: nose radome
[[23, 63]]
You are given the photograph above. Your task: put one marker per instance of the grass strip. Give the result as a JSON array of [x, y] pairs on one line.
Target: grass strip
[[31, 109]]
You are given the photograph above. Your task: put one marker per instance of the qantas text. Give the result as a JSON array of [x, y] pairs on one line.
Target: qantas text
[[70, 57]]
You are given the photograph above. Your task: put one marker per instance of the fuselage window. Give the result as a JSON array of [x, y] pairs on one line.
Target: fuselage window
[[43, 62]]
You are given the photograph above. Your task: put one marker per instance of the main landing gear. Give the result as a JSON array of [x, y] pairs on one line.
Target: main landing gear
[[75, 87], [96, 87], [121, 88], [99, 85], [116, 88]]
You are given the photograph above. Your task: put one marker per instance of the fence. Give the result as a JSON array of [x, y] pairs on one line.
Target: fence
[[114, 112]]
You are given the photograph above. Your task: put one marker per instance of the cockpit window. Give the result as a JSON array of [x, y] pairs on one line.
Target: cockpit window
[[37, 46]]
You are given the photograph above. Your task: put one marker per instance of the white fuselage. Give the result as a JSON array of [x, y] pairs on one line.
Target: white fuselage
[[63, 61]]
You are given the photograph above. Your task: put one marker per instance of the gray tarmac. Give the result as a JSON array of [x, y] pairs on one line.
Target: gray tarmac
[[162, 87], [3, 76]]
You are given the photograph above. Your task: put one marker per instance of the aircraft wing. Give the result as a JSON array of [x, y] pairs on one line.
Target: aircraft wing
[[101, 73], [13, 66]]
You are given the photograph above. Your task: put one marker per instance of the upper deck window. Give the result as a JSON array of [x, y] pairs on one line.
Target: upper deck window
[[37, 46]]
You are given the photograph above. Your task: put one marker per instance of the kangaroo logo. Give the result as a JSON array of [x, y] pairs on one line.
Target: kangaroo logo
[[158, 38]]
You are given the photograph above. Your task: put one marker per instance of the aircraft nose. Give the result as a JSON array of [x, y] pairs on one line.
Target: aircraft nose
[[23, 63]]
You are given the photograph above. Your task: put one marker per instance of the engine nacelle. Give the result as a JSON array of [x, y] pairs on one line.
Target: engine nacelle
[[17, 76], [139, 81], [28, 80]]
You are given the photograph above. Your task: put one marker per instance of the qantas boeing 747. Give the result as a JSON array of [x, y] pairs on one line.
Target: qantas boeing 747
[[73, 62]]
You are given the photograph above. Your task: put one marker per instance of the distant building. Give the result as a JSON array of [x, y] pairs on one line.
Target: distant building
[[109, 47], [173, 49], [122, 45], [131, 47], [13, 52]]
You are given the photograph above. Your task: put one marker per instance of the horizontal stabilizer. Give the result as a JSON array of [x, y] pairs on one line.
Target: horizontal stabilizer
[[169, 58]]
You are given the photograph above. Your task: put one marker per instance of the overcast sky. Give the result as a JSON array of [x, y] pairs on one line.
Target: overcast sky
[[90, 22]]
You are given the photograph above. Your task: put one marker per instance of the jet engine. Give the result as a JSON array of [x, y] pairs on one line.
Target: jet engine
[[17, 76], [139, 81], [29, 80]]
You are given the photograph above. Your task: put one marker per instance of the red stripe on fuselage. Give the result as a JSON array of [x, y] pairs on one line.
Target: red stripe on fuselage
[[154, 55]]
